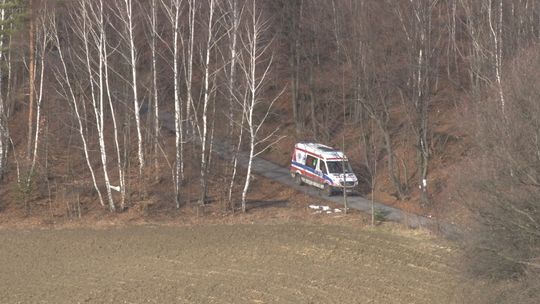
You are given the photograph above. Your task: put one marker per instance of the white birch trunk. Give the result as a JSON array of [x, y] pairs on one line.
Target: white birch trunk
[[232, 71], [189, 64], [154, 88], [248, 173], [121, 174], [177, 108], [189, 77], [9, 66], [3, 132], [3, 136], [67, 81], [39, 100], [250, 106], [235, 158], [497, 37], [178, 172], [3, 113], [133, 65], [173, 14], [232, 75], [98, 111]]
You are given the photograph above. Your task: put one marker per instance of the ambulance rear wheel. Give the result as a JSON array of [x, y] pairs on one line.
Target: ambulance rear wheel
[[298, 179], [328, 191]]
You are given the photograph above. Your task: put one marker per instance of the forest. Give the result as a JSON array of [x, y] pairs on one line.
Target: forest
[[436, 102]]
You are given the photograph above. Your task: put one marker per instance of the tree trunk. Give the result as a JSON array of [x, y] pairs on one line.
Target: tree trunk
[[206, 100], [248, 173], [391, 165], [155, 90], [4, 135], [133, 66], [31, 79], [42, 48], [99, 111], [66, 79], [178, 175]]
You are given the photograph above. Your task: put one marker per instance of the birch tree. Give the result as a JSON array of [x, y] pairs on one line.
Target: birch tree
[[8, 16], [64, 79], [495, 28], [126, 16], [98, 100], [172, 10], [42, 37], [153, 35], [187, 58], [105, 80], [255, 66], [232, 23], [207, 92], [31, 77]]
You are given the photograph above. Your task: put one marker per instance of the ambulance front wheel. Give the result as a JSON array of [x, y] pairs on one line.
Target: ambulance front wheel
[[328, 190], [298, 179]]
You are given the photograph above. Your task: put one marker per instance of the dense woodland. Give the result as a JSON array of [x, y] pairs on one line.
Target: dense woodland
[[429, 97]]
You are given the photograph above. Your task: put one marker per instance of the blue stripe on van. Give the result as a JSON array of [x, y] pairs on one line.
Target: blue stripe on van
[[304, 167]]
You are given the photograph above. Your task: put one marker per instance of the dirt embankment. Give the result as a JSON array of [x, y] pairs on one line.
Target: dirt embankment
[[261, 263]]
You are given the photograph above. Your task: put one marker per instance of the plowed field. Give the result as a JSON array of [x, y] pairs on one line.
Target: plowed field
[[282, 263]]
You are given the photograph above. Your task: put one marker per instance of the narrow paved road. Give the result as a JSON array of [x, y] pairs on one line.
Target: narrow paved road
[[277, 173]]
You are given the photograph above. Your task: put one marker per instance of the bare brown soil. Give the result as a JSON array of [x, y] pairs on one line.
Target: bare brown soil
[[281, 251], [242, 263]]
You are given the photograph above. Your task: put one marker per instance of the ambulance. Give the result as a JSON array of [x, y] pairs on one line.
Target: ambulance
[[323, 167]]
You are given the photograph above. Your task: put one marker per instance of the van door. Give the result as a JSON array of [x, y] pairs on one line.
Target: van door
[[324, 171], [312, 164]]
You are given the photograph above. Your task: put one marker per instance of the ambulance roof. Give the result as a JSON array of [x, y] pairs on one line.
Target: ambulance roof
[[320, 150]]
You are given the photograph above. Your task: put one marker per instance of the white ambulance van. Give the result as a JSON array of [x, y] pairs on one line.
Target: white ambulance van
[[323, 167]]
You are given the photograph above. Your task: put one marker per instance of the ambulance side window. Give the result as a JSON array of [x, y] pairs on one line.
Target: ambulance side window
[[311, 162], [323, 167]]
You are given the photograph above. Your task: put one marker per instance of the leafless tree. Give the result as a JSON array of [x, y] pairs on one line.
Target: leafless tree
[[96, 16], [105, 80], [42, 37], [496, 34], [31, 77], [153, 42], [255, 68], [173, 15], [63, 78], [126, 14], [416, 22], [207, 92], [5, 38], [232, 23]]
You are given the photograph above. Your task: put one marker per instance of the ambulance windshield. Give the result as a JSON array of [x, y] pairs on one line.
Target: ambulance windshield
[[337, 167]]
